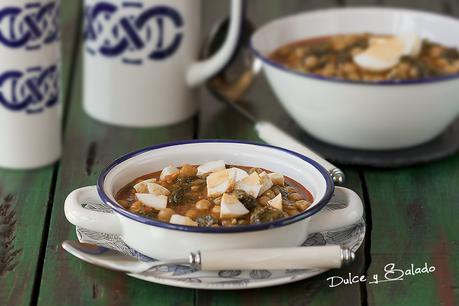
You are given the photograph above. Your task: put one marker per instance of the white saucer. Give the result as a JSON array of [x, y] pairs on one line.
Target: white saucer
[[182, 276]]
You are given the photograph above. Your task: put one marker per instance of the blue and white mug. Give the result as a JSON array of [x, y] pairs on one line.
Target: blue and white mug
[[140, 62], [30, 115]]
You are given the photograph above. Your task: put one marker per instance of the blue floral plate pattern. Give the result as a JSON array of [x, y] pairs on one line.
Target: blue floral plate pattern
[[183, 276]]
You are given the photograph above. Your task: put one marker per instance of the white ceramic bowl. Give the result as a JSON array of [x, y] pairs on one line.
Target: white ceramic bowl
[[383, 115], [167, 241]]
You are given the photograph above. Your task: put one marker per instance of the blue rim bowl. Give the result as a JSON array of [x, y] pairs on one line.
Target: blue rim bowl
[[264, 58], [329, 189]]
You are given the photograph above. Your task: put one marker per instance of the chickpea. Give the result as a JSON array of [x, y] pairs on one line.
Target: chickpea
[[203, 204], [198, 182], [435, 51], [311, 61], [269, 193], [188, 170], [136, 207], [299, 52], [441, 62], [226, 222], [216, 212], [329, 70], [192, 213], [295, 196], [403, 67], [356, 51], [302, 205], [292, 211], [165, 214], [414, 72], [339, 45], [263, 200], [353, 76], [196, 188], [450, 69], [349, 68], [217, 201]]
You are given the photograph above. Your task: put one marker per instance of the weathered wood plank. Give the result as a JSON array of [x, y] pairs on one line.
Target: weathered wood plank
[[414, 222], [89, 147], [24, 202]]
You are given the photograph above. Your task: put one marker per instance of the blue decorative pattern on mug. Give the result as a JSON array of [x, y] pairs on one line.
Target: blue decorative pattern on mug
[[131, 31], [32, 90], [31, 26]]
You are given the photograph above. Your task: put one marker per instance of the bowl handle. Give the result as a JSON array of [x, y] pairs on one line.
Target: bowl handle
[[90, 219], [331, 218]]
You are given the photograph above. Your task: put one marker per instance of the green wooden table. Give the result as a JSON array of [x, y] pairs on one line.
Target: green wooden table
[[411, 213]]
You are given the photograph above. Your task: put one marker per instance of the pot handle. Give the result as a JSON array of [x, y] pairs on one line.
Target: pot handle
[[92, 220], [327, 220]]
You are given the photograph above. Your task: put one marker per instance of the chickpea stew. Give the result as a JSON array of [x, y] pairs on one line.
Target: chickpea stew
[[213, 195], [369, 57]]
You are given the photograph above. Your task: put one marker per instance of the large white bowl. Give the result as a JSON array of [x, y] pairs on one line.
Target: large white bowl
[[383, 115], [162, 240]]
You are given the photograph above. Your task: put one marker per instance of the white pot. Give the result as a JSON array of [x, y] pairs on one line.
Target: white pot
[[164, 241], [382, 115]]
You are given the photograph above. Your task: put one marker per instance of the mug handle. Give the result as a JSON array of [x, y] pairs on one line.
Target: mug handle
[[89, 219], [334, 219], [200, 71]]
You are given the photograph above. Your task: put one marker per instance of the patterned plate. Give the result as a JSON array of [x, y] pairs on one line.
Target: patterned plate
[[183, 276]]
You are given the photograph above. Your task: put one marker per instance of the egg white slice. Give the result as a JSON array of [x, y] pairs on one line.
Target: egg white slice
[[266, 182], [211, 166], [169, 170], [277, 179], [239, 174], [220, 182], [231, 207], [182, 220], [276, 202], [157, 189], [157, 202], [251, 184], [142, 186]]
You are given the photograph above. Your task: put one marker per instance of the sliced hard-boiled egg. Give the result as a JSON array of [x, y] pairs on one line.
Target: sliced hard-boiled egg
[[276, 202], [157, 189], [412, 44], [266, 182], [384, 53], [239, 174], [169, 170], [182, 220], [152, 200], [231, 207], [142, 186], [211, 166], [277, 179], [251, 184], [220, 182]]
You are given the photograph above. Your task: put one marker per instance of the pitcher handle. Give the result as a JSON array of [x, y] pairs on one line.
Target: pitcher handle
[[200, 71]]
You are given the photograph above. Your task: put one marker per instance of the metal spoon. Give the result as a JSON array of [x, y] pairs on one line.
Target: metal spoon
[[230, 90], [323, 257]]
